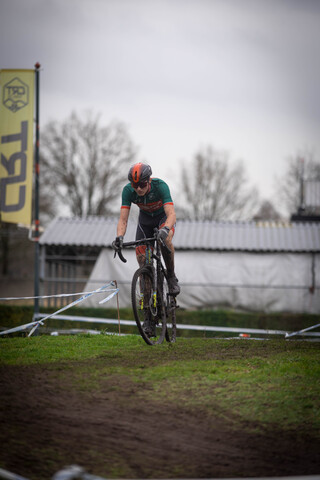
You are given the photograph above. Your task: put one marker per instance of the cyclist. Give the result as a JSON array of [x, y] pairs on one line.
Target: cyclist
[[153, 198]]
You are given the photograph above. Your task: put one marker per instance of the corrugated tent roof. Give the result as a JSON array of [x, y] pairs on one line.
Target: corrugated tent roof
[[193, 235]]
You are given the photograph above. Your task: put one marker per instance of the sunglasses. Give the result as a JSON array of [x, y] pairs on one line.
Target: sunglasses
[[139, 184]]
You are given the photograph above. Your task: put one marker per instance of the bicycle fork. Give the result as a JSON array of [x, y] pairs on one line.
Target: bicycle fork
[[153, 297]]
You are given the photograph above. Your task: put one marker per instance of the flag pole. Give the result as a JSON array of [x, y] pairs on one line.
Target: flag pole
[[36, 203]]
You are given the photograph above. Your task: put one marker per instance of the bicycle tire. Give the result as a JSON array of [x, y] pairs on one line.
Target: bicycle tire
[[170, 310], [140, 298]]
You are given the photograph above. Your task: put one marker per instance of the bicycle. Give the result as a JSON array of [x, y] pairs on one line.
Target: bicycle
[[150, 295]]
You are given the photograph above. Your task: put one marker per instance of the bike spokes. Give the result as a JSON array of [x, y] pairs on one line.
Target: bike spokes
[[151, 327]]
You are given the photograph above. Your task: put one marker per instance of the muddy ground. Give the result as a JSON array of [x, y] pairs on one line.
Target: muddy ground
[[47, 422]]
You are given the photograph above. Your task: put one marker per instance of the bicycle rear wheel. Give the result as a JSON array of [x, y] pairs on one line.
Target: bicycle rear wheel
[[169, 302], [143, 309]]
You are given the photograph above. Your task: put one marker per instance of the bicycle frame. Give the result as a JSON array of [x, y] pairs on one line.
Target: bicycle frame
[[152, 253]]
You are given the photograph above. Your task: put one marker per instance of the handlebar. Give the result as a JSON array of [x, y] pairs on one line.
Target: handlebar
[[124, 260], [118, 250], [134, 243]]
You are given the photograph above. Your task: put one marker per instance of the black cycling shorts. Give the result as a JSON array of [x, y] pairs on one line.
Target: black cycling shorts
[[146, 224]]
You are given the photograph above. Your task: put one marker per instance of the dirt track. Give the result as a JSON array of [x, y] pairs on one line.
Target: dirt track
[[46, 424]]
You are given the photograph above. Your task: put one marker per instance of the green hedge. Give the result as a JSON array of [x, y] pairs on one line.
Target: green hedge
[[12, 316]]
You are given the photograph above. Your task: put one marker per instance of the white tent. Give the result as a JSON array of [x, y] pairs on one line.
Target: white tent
[[270, 282], [251, 266]]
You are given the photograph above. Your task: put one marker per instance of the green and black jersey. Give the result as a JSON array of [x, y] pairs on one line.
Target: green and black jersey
[[153, 202]]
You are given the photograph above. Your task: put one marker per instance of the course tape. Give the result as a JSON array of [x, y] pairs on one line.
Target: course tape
[[36, 323], [58, 295]]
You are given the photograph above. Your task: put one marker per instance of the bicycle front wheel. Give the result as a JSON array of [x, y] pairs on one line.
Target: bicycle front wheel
[[151, 323]]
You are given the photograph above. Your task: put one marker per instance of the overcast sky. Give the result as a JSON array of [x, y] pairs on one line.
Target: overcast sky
[[239, 75]]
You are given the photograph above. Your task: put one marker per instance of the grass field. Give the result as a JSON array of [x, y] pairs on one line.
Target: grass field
[[265, 381], [258, 387]]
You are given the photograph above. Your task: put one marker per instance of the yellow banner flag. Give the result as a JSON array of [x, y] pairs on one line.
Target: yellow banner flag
[[16, 145]]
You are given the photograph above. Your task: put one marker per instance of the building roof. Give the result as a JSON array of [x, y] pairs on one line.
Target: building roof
[[192, 235]]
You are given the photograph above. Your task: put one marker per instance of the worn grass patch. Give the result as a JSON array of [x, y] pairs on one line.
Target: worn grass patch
[[274, 382], [275, 391]]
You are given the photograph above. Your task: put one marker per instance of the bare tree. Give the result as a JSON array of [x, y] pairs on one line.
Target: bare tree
[[48, 204], [300, 168], [83, 164], [267, 212], [216, 190]]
